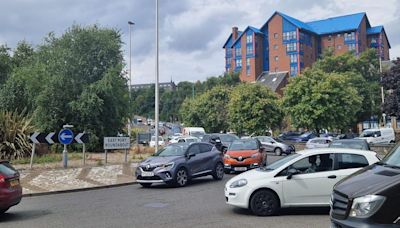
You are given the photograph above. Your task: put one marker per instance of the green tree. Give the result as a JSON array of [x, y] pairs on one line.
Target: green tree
[[5, 63], [208, 110], [318, 100], [391, 82], [253, 108]]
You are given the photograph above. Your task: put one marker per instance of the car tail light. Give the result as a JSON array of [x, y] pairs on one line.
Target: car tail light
[[3, 182]]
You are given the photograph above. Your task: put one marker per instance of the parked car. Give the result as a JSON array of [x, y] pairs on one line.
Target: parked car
[[318, 142], [153, 141], [370, 197], [197, 132], [226, 139], [184, 139], [10, 188], [305, 178], [287, 136], [275, 145], [378, 135], [359, 144], [303, 137], [244, 154], [178, 163]]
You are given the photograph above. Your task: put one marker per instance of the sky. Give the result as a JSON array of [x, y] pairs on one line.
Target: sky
[[192, 32]]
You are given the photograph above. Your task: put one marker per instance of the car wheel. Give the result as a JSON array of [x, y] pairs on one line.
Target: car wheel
[[145, 185], [218, 173], [278, 151], [264, 203], [181, 177]]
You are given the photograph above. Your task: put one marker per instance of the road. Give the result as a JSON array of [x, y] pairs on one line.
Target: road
[[201, 204]]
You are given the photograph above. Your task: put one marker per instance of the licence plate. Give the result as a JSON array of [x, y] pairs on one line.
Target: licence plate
[[147, 174], [14, 183], [240, 168]]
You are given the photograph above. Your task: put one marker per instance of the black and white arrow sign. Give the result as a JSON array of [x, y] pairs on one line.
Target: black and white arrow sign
[[38, 137], [82, 138], [34, 136], [49, 138]]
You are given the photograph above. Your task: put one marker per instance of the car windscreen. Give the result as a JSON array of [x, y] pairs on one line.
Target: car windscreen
[[153, 138], [6, 169], [348, 144], [197, 134], [278, 140], [370, 133], [171, 150], [228, 138], [191, 140], [280, 162], [393, 158], [243, 145]]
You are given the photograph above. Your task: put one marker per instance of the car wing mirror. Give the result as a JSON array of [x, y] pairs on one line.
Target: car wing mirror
[[292, 172]]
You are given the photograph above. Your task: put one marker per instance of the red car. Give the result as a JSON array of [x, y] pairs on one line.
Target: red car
[[10, 188]]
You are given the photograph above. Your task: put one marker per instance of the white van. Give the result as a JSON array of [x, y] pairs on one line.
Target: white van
[[378, 135], [198, 132]]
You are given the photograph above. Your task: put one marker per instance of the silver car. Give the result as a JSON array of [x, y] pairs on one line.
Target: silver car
[[275, 145]]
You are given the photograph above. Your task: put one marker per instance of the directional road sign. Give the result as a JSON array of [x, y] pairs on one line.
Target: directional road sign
[[65, 136], [38, 137], [82, 138]]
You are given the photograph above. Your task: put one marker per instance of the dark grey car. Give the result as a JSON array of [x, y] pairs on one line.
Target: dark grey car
[[360, 144], [177, 163]]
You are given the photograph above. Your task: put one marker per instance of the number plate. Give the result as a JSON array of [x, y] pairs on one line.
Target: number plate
[[14, 183], [147, 174], [240, 168]]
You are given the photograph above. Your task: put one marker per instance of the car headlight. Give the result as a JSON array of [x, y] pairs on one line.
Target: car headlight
[[167, 166], [366, 206], [238, 183], [254, 155], [227, 156]]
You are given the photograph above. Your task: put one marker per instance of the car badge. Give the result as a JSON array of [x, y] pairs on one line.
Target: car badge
[[147, 166], [240, 158]]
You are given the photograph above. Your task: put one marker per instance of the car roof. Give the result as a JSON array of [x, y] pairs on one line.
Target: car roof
[[350, 140], [335, 151]]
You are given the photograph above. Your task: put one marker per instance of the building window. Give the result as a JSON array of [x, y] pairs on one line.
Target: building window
[[249, 38], [293, 58], [275, 35], [339, 35], [276, 69], [276, 58], [291, 47], [329, 38], [248, 66], [339, 47], [293, 70], [238, 63], [228, 61], [349, 36], [352, 47], [238, 51], [228, 52], [373, 40], [289, 35], [249, 49], [275, 46], [301, 47]]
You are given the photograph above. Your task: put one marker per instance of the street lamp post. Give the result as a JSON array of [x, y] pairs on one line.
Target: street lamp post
[[156, 83], [130, 23]]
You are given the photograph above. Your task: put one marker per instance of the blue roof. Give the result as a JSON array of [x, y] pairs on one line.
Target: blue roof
[[230, 36], [337, 24], [296, 22], [256, 30], [375, 30]]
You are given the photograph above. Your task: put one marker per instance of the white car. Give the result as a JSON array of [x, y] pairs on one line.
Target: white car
[[153, 141], [319, 142], [184, 139], [305, 178]]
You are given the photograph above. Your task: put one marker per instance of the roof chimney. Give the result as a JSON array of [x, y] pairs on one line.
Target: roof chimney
[[234, 33]]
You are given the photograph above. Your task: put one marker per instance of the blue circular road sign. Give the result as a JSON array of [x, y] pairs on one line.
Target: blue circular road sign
[[65, 136]]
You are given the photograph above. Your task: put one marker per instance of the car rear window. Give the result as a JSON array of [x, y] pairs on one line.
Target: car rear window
[[351, 161], [7, 170]]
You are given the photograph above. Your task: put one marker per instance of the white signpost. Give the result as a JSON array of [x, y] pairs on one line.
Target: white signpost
[[116, 143]]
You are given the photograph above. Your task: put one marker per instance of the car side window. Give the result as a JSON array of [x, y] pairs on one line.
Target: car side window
[[194, 149], [314, 163], [351, 161], [181, 140], [205, 148]]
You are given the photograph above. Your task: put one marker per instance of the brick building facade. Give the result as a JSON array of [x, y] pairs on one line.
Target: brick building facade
[[284, 43]]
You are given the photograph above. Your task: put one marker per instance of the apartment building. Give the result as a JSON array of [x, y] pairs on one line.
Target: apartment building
[[284, 43]]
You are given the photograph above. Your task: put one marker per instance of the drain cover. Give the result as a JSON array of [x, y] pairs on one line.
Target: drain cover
[[156, 205]]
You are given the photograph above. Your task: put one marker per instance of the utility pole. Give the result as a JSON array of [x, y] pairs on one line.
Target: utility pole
[[382, 91], [130, 23], [156, 84]]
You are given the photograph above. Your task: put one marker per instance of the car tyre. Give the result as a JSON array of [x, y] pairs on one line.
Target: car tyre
[[218, 173], [278, 151], [264, 203], [181, 177], [146, 185]]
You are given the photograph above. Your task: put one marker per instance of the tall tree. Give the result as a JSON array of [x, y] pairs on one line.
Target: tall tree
[[253, 108], [5, 63], [391, 82]]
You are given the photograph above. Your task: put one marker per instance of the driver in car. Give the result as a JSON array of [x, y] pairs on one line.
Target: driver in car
[[313, 161]]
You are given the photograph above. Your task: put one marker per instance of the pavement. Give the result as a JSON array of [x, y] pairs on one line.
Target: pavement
[[43, 181], [200, 204]]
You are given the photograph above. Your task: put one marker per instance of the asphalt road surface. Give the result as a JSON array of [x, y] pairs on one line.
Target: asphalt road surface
[[201, 204]]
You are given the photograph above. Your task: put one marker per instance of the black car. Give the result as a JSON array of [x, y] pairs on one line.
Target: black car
[[359, 144], [369, 197], [226, 139], [289, 135], [177, 163]]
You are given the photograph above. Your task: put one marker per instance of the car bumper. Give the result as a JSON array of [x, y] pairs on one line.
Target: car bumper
[[159, 176], [355, 223], [237, 197], [10, 197]]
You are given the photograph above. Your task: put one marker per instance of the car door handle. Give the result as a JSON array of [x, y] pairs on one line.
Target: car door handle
[[332, 177]]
